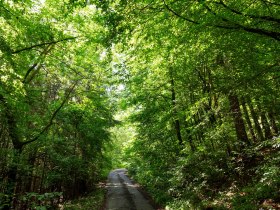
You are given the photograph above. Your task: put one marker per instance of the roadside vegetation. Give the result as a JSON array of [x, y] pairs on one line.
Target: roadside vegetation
[[201, 84], [92, 201], [249, 179]]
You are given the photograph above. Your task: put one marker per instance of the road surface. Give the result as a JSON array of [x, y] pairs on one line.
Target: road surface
[[123, 194]]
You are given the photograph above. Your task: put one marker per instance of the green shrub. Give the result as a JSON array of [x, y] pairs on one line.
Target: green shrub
[[93, 201]]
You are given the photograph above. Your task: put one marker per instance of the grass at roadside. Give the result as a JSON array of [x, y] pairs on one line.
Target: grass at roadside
[[93, 201]]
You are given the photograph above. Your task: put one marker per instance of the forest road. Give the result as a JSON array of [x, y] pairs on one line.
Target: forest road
[[122, 194]]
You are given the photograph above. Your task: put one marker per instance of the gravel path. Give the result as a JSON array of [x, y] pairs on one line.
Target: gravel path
[[123, 194]]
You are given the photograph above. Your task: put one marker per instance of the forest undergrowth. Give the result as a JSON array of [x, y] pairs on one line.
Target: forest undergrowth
[[246, 179], [92, 201]]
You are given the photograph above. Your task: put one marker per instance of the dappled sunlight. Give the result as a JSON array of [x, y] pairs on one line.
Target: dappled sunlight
[[123, 194]]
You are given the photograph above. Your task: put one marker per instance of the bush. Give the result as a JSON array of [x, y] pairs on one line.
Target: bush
[[34, 200], [93, 201]]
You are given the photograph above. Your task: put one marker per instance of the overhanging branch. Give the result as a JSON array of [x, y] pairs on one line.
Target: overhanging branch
[[271, 34], [42, 44], [177, 14], [264, 17], [231, 25], [53, 116]]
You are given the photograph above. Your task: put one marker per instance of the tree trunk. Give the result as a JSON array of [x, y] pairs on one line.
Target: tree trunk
[[265, 125], [13, 134], [199, 133], [175, 113], [189, 137], [238, 120], [255, 119], [247, 117], [273, 123]]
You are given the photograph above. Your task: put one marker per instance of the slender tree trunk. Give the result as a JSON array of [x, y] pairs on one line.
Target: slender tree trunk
[[255, 119], [199, 133], [228, 149], [32, 160], [267, 131], [247, 117], [13, 134], [265, 125], [273, 123], [43, 175], [175, 113], [238, 120], [190, 137], [178, 131]]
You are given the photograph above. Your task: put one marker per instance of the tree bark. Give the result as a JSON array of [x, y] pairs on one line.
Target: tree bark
[[255, 119], [189, 137], [273, 123], [265, 125], [247, 117], [238, 120], [175, 112]]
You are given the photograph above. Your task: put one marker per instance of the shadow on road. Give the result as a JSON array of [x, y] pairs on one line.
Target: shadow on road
[[123, 194]]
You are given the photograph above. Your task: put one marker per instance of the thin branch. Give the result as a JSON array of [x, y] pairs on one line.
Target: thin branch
[[266, 6], [262, 73], [7, 9], [178, 15], [42, 44], [53, 116], [232, 25], [267, 18], [272, 34], [145, 7], [272, 3], [37, 65], [28, 72]]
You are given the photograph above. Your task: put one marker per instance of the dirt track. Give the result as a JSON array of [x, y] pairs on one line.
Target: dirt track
[[123, 194]]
